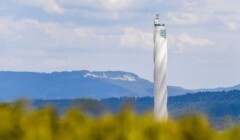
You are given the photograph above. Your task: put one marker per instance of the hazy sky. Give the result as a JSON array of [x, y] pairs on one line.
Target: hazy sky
[[58, 35]]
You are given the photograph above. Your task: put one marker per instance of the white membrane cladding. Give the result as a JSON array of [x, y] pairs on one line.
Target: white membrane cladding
[[160, 73]]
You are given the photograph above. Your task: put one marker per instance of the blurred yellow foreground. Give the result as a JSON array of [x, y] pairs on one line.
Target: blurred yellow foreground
[[19, 123]]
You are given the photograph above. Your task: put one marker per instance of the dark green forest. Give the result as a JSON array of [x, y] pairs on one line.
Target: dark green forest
[[219, 107]]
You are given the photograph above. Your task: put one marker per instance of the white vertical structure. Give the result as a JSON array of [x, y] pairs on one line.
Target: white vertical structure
[[160, 70]]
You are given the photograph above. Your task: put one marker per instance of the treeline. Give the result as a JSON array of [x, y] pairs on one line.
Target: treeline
[[217, 106], [21, 122]]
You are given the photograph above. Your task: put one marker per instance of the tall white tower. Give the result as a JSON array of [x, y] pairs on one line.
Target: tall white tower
[[160, 70]]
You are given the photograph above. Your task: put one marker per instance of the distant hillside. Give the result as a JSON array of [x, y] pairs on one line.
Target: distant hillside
[[236, 87], [81, 84], [75, 84]]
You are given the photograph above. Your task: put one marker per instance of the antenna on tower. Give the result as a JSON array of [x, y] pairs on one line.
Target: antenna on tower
[[156, 20]]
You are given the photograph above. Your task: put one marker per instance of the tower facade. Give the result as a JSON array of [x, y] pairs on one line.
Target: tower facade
[[160, 70]]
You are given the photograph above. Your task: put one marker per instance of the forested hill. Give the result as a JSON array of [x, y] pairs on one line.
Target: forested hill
[[216, 105], [76, 84], [72, 84], [82, 84]]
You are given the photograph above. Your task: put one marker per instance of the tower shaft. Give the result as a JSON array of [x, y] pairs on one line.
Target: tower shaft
[[160, 71]]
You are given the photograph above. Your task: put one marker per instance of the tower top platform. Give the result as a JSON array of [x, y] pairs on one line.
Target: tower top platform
[[157, 21]]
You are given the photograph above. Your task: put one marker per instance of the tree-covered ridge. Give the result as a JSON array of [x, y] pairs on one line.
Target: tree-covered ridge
[[72, 84], [20, 122], [217, 106]]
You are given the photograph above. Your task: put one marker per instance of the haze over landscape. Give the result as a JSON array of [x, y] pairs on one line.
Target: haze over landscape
[[83, 69], [103, 35]]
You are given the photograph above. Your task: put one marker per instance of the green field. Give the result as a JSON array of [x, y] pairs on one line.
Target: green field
[[21, 122]]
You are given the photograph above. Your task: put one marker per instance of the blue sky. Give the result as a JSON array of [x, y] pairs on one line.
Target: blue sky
[[59, 35]]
